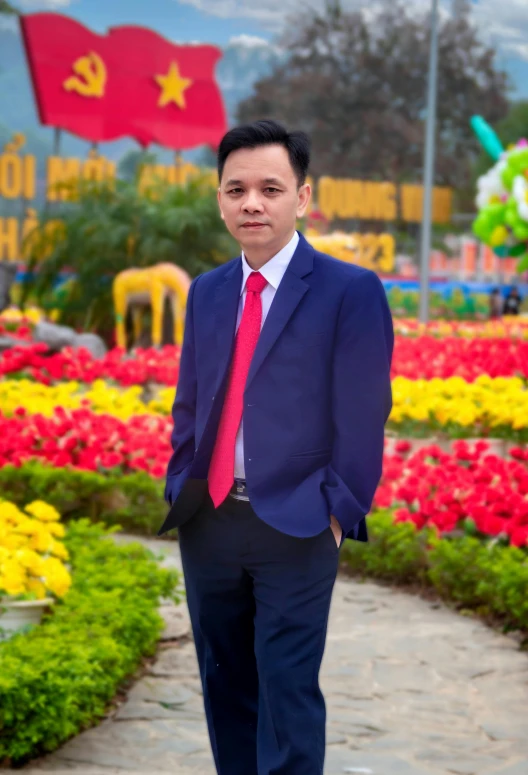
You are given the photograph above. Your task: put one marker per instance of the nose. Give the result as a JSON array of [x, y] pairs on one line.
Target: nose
[[252, 202]]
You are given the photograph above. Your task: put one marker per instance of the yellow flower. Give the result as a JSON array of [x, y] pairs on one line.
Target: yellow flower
[[31, 555], [501, 401], [42, 511], [35, 585], [10, 513], [56, 577], [29, 560], [59, 550]]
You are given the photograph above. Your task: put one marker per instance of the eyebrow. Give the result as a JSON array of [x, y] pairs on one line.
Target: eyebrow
[[268, 181]]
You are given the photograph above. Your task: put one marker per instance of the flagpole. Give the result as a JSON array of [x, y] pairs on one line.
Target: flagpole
[[428, 174], [57, 136]]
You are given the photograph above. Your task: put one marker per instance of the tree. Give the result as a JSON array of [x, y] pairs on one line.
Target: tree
[[131, 162], [357, 85], [6, 7], [112, 227]]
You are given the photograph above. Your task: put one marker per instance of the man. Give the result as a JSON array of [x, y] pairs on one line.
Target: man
[[283, 393], [512, 302]]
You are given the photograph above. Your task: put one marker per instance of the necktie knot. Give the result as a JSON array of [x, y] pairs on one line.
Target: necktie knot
[[256, 282]]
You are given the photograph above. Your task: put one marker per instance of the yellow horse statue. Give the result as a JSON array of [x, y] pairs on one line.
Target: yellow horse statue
[[138, 287]]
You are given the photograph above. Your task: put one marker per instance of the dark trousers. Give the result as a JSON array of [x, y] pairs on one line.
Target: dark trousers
[[259, 602]]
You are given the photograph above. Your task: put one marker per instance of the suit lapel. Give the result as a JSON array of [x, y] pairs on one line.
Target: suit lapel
[[227, 298], [289, 294]]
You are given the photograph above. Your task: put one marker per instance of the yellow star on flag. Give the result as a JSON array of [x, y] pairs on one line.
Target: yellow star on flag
[[173, 87]]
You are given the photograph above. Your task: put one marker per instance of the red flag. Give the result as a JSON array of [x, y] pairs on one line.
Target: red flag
[[129, 82], [168, 91], [69, 70]]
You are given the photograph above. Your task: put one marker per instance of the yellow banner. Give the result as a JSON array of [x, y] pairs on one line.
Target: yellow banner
[[335, 198]]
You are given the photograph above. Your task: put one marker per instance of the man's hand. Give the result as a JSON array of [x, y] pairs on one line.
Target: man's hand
[[336, 530]]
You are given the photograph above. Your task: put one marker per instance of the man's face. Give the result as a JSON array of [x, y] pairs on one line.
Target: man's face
[[259, 198]]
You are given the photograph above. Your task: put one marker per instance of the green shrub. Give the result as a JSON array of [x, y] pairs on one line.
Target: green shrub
[[490, 578], [134, 501], [394, 552], [58, 678]]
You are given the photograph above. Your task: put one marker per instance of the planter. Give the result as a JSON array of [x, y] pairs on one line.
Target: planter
[[16, 615]]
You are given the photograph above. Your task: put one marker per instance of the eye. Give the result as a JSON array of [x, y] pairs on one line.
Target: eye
[[236, 190], [272, 190]]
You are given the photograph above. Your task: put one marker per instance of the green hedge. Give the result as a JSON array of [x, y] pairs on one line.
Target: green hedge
[[489, 578], [58, 678], [134, 501]]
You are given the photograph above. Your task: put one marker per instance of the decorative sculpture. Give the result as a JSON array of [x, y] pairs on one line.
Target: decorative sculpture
[[138, 287], [502, 196]]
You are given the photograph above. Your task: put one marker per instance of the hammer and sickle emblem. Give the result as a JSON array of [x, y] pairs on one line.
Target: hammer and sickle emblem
[[90, 78]]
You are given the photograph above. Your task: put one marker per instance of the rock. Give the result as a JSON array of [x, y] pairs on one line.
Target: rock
[[91, 342], [7, 342], [56, 337]]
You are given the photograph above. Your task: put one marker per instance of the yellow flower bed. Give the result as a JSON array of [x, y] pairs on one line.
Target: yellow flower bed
[[513, 326], [100, 398], [32, 557], [493, 402], [15, 315], [501, 401]]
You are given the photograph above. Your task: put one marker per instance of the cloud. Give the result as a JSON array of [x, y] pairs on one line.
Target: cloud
[[504, 23], [248, 41]]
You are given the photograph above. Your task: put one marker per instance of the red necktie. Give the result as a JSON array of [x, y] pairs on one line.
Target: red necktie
[[222, 468]]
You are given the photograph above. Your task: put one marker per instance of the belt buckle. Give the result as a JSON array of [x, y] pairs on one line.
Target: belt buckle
[[240, 489]]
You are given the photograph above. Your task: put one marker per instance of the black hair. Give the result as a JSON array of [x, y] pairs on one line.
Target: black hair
[[267, 132]]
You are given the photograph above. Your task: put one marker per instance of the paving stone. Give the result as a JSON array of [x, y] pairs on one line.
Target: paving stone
[[366, 763], [144, 710], [168, 691], [519, 767], [177, 622], [174, 662]]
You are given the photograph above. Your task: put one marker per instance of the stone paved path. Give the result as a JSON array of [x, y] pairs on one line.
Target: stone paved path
[[412, 689]]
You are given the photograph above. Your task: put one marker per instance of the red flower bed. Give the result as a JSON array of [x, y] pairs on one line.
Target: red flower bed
[[16, 330], [147, 365], [467, 489], [85, 440], [423, 357], [426, 357]]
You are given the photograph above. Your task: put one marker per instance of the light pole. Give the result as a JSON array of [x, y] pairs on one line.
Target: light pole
[[428, 173]]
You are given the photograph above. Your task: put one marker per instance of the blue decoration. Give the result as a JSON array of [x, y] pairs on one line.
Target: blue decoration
[[487, 137]]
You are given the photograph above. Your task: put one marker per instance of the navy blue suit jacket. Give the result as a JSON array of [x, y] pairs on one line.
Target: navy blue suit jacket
[[316, 400]]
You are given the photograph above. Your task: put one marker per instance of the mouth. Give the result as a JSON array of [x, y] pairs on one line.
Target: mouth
[[253, 225]]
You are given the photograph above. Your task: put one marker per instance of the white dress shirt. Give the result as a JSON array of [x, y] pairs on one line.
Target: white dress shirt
[[273, 272]]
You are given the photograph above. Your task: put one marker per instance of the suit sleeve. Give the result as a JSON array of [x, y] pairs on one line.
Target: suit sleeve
[[361, 400], [184, 407]]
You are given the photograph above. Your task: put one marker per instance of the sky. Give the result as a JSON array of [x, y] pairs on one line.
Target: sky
[[503, 22]]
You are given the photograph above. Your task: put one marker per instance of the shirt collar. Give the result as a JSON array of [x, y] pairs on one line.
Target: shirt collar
[[274, 269]]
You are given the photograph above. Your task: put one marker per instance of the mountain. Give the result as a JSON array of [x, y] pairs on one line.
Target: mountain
[[246, 59]]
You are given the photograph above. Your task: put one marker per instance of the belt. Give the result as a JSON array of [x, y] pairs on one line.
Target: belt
[[239, 490]]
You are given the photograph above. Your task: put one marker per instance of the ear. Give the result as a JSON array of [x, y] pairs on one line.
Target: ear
[[304, 194], [219, 205]]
